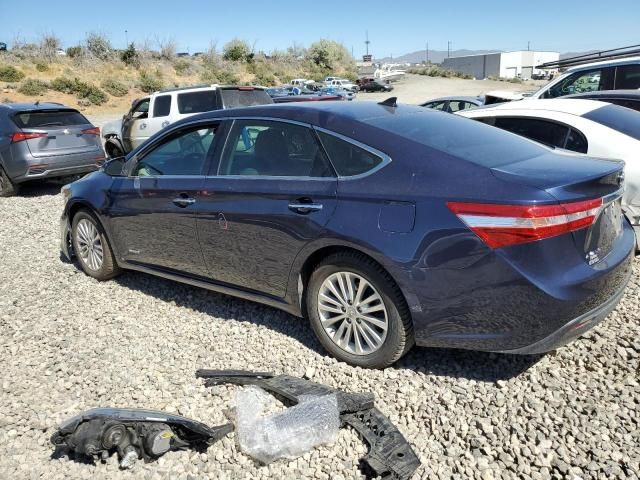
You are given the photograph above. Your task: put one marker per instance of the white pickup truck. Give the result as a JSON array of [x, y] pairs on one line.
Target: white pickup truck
[[148, 115]]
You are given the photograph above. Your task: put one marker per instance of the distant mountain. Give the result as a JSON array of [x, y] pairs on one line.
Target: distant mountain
[[435, 56], [438, 56]]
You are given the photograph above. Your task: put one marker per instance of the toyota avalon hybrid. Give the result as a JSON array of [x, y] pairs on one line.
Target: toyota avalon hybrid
[[384, 225]]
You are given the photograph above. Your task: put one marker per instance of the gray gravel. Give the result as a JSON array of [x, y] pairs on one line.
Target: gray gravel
[[70, 343]]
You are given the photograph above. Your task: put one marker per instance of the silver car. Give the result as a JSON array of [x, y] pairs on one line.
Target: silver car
[[45, 140]]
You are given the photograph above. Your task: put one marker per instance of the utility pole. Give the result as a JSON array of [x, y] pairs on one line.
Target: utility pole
[[126, 39], [529, 45], [448, 48], [367, 42], [427, 52]]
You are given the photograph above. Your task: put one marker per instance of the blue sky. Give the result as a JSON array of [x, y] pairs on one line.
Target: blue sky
[[395, 27]]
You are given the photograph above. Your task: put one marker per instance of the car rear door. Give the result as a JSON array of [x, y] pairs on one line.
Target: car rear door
[[272, 193], [153, 210]]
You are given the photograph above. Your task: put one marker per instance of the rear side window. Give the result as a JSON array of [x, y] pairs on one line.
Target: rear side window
[[618, 118], [49, 118], [577, 142], [628, 77], [549, 133], [348, 159], [244, 98], [162, 106], [196, 102], [463, 138]]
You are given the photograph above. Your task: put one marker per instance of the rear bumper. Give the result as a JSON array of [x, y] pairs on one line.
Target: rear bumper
[[53, 172], [574, 328], [34, 168]]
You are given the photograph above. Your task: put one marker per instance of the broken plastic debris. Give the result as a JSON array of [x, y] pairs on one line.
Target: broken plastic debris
[[288, 433]]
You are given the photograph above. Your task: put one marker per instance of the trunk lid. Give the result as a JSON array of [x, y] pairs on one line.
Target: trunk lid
[[64, 132], [573, 178]]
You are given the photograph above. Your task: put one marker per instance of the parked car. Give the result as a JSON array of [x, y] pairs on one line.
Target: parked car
[[618, 74], [346, 94], [45, 140], [371, 85], [584, 126], [454, 104], [148, 115], [384, 225], [344, 84], [3, 47], [624, 98], [61, 53]]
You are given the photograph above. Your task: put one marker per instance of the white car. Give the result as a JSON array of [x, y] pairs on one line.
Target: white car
[[341, 83], [590, 127], [150, 114], [617, 74]]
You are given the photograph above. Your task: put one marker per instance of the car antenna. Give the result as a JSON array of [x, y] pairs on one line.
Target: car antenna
[[389, 102]]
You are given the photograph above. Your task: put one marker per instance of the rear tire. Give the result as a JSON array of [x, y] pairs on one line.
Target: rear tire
[[369, 334], [91, 247], [7, 187]]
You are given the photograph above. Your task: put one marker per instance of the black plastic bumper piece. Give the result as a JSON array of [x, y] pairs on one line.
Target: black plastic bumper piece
[[390, 455]]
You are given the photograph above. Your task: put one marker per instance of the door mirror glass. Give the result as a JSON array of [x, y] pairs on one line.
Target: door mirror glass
[[113, 167]]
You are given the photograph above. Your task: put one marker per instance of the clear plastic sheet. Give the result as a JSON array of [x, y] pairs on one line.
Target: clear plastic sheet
[[288, 433]]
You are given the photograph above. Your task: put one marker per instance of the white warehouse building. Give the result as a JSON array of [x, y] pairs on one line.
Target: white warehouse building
[[521, 64]]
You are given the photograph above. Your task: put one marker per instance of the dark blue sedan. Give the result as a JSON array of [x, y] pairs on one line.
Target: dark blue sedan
[[386, 226]]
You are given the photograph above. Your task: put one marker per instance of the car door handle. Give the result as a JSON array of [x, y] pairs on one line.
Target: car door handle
[[305, 207], [143, 126], [183, 202]]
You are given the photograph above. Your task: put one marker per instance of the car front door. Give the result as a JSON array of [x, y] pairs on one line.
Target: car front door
[[153, 210], [134, 124], [273, 192]]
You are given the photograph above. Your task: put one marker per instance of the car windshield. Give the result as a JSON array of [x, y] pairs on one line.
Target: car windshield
[[460, 137], [49, 118], [618, 118]]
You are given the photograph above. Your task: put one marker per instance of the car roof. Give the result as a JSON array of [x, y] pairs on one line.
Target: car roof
[[331, 115], [34, 106], [620, 61], [565, 105], [630, 94]]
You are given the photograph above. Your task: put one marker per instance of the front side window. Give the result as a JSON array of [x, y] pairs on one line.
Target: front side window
[[579, 82], [271, 148], [141, 109], [548, 133], [184, 153], [628, 77], [348, 159], [162, 106], [456, 106]]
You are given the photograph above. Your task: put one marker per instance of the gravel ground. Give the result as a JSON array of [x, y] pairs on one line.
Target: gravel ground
[[70, 343]]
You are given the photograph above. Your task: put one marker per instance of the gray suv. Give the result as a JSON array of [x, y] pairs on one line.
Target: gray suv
[[45, 140]]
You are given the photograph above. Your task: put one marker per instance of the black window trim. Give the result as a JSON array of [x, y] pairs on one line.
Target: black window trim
[[232, 122], [134, 159], [544, 119]]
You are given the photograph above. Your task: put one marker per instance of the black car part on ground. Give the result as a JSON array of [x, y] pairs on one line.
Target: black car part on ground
[[133, 434], [390, 455]]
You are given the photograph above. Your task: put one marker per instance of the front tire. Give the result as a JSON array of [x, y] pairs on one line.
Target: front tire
[[358, 312], [92, 248], [7, 187]]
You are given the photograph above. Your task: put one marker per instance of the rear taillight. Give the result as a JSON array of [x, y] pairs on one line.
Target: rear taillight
[[92, 131], [504, 225], [21, 136]]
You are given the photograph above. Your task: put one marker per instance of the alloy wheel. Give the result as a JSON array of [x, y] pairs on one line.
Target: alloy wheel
[[352, 313], [89, 244]]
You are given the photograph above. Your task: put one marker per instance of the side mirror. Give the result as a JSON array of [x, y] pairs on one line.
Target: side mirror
[[113, 167]]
